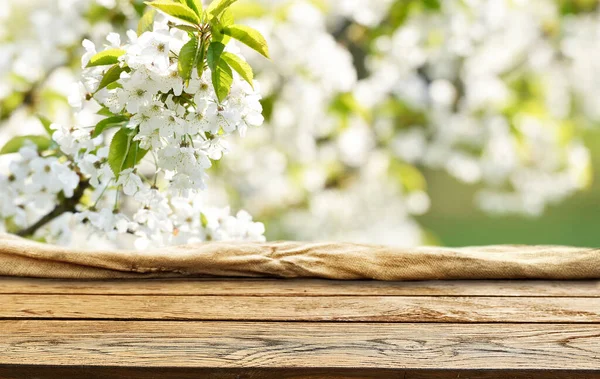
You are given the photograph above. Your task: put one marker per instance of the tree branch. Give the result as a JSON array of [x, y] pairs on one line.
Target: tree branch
[[68, 205]]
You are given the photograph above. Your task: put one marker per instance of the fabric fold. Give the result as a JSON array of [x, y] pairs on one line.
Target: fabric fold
[[25, 258]]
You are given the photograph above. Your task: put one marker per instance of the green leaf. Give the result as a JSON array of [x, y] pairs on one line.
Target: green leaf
[[106, 57], [46, 124], [217, 29], [177, 10], [13, 146], [222, 78], [248, 36], [227, 17], [200, 57], [221, 74], [240, 66], [123, 152], [110, 76], [114, 85], [195, 5], [105, 112], [215, 49], [110, 122], [186, 28], [187, 58], [249, 9], [118, 150], [217, 6], [136, 154], [146, 22], [203, 220]]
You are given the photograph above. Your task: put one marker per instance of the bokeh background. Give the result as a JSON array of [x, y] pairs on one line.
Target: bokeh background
[[450, 122]]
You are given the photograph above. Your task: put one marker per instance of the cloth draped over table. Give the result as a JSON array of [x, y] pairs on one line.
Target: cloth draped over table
[[25, 258]]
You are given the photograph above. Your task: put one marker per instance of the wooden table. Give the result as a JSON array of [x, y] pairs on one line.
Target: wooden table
[[247, 329]]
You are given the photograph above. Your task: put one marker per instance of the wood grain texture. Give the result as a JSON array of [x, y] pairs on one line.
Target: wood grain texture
[[289, 308], [292, 329], [302, 287], [79, 372], [301, 345]]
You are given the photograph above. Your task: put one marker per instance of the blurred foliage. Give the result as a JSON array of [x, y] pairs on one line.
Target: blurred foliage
[[454, 220]]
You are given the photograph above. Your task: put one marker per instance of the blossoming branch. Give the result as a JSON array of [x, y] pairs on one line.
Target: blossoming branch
[[169, 97]]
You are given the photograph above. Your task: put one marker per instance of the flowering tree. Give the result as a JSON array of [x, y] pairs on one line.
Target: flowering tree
[[170, 96], [359, 99], [496, 93]]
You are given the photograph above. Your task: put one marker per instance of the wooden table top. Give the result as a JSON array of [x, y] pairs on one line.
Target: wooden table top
[[267, 328]]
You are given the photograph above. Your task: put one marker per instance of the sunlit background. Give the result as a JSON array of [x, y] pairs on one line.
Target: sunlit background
[[451, 122]]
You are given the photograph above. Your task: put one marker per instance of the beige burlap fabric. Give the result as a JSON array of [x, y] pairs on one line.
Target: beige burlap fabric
[[20, 257]]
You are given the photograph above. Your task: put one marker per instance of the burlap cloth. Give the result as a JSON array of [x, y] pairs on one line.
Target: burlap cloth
[[20, 257]]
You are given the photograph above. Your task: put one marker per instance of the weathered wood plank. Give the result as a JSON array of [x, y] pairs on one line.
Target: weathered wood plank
[[304, 287], [300, 345], [78, 372], [341, 308]]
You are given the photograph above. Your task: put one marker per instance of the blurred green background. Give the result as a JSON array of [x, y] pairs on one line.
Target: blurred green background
[[454, 220]]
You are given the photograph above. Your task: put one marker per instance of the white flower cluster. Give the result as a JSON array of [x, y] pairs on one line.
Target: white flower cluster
[[363, 12], [480, 89], [184, 126], [467, 73], [28, 50], [33, 186], [144, 181], [295, 176], [39, 39]]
